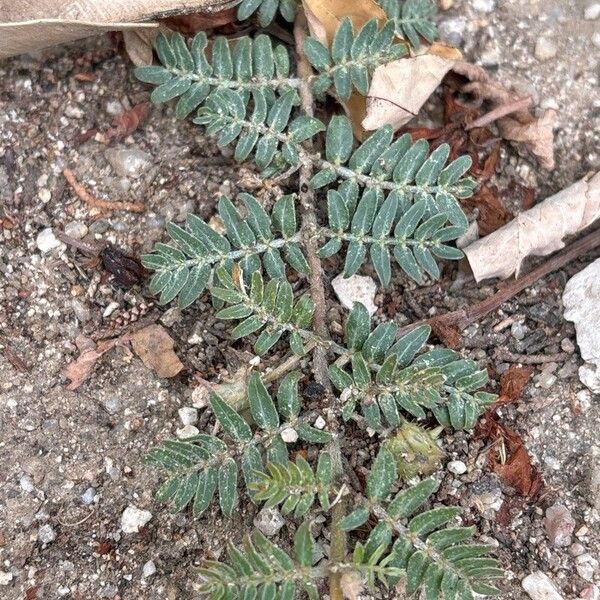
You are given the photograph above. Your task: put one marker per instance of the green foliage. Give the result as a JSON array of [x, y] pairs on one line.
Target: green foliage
[[267, 10], [295, 485], [386, 378], [256, 240], [352, 58], [260, 569], [198, 467], [386, 198], [412, 18], [431, 554]]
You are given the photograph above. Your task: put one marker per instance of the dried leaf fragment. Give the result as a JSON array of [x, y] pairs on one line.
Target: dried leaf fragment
[[155, 347], [512, 383], [126, 123], [538, 231]]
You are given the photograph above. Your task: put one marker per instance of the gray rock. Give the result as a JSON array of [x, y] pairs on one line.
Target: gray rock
[[269, 521], [88, 496], [76, 229], [452, 30], [357, 288], [457, 467], [581, 300], [484, 6], [545, 49], [148, 569], [129, 162], [134, 518], [47, 241], [111, 405], [559, 525], [188, 415], [187, 431], [26, 484], [518, 330], [46, 534], [592, 11], [540, 587]]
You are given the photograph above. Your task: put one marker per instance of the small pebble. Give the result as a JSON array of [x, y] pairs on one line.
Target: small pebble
[[567, 345], [47, 241], [545, 49], [129, 162], [357, 288], [88, 496], [484, 6], [76, 229], [540, 587], [148, 569], [111, 405], [592, 12], [187, 431], [457, 467], [559, 525], [269, 521], [114, 108], [188, 415], [452, 30], [320, 422], [46, 534], [133, 519], [518, 330], [596, 39], [26, 484], [5, 577], [289, 435]]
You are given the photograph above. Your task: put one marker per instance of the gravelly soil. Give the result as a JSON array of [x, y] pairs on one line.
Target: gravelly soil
[[57, 444]]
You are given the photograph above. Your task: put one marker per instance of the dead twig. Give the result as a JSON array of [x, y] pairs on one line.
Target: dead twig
[[508, 108], [103, 205]]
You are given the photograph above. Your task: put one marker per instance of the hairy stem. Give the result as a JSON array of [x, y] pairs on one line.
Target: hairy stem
[[317, 290]]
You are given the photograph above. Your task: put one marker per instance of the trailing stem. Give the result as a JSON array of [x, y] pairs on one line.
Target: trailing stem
[[317, 291]]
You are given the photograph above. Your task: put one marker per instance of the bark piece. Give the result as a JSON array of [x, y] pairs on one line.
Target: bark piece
[[536, 232], [155, 347]]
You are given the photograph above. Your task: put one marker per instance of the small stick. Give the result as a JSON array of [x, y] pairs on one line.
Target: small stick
[[500, 111], [463, 317], [104, 205]]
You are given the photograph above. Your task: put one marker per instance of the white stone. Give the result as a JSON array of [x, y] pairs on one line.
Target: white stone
[[592, 11], [320, 422], [26, 484], [289, 435], [148, 569], [540, 587], [129, 162], [356, 289], [88, 496], [457, 467], [46, 534], [596, 39], [188, 415], [581, 300], [269, 521], [545, 49], [47, 241], [76, 229], [187, 431], [5, 577], [484, 6], [134, 518]]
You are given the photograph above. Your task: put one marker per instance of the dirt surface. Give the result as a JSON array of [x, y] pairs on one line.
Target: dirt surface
[[72, 458]]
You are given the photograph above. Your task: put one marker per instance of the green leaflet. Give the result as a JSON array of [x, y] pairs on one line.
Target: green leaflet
[[255, 239], [412, 19]]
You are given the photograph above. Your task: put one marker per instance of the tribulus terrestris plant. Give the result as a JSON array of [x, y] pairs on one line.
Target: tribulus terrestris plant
[[388, 201]]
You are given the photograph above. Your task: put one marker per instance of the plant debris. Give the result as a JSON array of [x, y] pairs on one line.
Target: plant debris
[[155, 347], [538, 231]]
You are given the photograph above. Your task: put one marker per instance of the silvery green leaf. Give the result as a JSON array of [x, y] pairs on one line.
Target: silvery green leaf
[[339, 218], [339, 139], [355, 519], [264, 61], [322, 178], [154, 74], [284, 216], [304, 545], [227, 485], [169, 90], [317, 54], [262, 407], [164, 51], [371, 149], [382, 476], [230, 420], [304, 127], [407, 501], [432, 167], [406, 348], [411, 162]]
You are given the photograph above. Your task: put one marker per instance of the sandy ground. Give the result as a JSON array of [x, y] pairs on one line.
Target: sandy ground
[[71, 459]]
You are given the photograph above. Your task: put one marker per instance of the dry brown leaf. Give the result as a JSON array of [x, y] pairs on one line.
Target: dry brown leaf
[[138, 45], [127, 122], [536, 232], [537, 135], [26, 27], [491, 212], [513, 381], [89, 353], [324, 16], [155, 347], [399, 89]]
